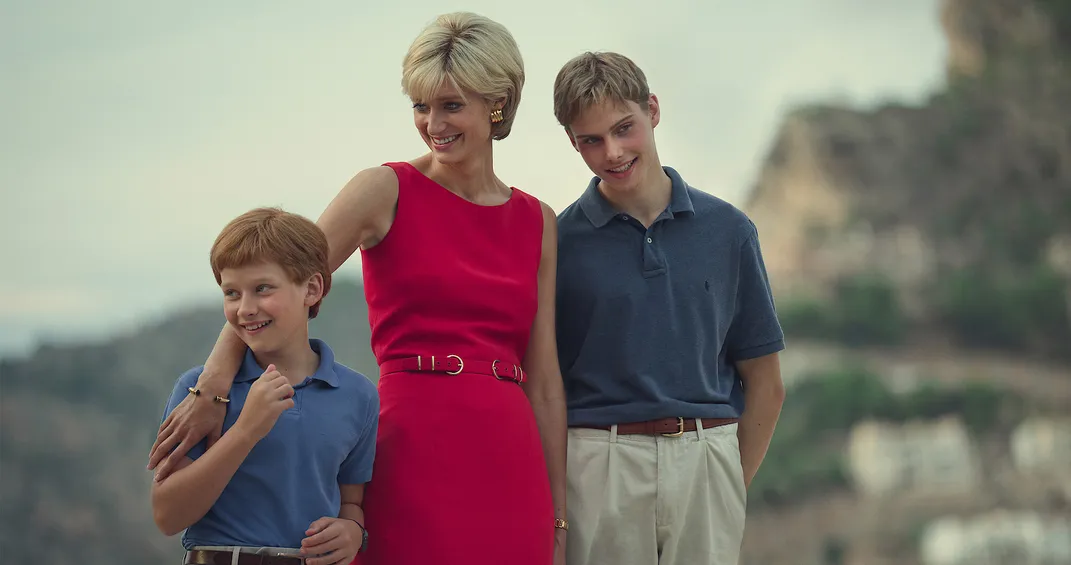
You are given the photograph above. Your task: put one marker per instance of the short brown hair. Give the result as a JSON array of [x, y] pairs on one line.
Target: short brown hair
[[272, 235], [592, 78]]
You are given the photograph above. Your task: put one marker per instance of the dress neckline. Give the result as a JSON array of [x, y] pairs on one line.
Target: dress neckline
[[512, 190]]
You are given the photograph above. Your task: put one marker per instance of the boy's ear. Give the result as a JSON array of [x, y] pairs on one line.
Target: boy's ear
[[314, 289], [653, 110]]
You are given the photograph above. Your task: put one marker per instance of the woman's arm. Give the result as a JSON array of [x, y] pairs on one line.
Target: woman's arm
[[199, 416], [544, 386], [195, 486], [359, 216]]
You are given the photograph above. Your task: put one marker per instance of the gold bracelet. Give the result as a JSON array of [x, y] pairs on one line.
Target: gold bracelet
[[561, 524], [217, 398]]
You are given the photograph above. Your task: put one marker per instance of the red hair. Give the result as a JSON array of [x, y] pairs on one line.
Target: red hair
[[271, 235]]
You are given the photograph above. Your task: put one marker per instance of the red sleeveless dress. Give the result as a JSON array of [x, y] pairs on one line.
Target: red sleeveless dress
[[459, 475]]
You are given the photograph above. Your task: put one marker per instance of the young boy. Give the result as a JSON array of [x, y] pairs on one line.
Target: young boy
[[666, 331], [286, 478]]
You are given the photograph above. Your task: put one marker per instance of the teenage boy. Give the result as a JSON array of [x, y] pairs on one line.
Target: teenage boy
[[285, 481], [666, 331]]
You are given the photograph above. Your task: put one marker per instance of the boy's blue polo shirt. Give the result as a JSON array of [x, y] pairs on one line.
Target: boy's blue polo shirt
[[651, 320], [291, 477]]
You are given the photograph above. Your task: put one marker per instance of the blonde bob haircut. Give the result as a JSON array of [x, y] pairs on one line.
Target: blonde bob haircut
[[474, 53]]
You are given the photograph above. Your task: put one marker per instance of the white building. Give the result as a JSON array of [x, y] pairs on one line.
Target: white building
[[1043, 445], [918, 456], [998, 538]]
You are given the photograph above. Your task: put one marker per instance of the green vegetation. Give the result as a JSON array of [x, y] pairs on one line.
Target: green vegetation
[[806, 454], [1012, 308], [834, 551], [966, 118], [865, 311], [1059, 13], [1025, 311]]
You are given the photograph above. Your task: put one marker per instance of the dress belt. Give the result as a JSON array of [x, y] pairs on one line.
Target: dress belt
[[453, 365]]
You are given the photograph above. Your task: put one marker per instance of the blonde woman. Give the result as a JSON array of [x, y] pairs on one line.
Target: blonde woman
[[459, 274]]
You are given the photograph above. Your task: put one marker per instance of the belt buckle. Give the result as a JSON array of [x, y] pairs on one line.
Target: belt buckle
[[517, 371], [460, 362], [680, 429]]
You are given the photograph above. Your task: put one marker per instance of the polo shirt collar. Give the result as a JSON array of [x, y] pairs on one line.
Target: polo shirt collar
[[325, 372], [599, 210]]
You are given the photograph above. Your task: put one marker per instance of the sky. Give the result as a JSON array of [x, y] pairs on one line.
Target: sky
[[131, 131]]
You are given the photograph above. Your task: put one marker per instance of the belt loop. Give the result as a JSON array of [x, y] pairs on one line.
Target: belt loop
[[699, 428], [234, 555], [613, 433]]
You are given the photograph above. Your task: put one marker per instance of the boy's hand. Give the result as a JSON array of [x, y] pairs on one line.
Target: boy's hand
[[269, 396], [331, 541]]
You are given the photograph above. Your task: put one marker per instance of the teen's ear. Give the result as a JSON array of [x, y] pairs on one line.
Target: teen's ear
[[653, 110], [314, 289]]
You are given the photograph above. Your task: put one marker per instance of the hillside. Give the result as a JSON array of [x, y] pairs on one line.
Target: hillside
[[929, 248], [76, 424], [945, 223]]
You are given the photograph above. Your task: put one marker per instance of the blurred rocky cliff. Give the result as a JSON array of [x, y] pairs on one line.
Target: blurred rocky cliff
[[921, 258], [947, 224]]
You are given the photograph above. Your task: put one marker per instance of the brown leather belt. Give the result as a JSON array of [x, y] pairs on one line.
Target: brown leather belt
[[669, 427], [216, 557], [452, 365]]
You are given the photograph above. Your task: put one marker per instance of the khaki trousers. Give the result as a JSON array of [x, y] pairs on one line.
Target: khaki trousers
[[655, 500]]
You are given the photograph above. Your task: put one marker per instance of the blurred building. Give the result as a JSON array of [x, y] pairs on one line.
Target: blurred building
[[997, 538], [932, 456], [1043, 445], [1058, 255]]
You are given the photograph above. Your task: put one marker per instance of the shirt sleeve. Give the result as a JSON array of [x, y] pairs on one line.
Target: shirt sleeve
[[181, 390], [755, 330], [357, 467]]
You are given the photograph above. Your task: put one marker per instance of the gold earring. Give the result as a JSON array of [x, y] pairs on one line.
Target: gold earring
[[496, 116]]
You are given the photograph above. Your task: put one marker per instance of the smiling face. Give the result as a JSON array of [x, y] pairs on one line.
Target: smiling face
[[453, 70], [267, 309], [616, 140], [454, 125]]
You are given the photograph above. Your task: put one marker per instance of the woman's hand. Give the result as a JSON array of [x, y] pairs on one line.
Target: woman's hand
[[195, 418], [559, 546]]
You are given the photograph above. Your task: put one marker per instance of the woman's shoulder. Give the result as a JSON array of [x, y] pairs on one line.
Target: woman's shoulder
[[530, 200], [379, 177], [541, 216], [526, 198], [372, 187]]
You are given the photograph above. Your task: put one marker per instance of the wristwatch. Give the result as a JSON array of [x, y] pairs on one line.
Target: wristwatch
[[364, 535], [561, 524]]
